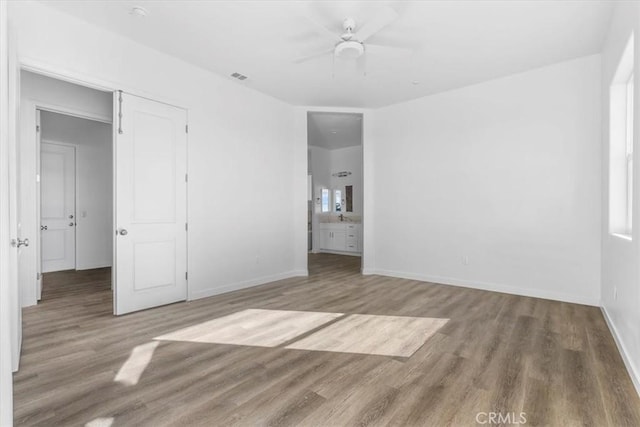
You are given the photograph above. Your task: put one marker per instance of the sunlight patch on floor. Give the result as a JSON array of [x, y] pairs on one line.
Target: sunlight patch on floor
[[100, 422], [132, 369], [253, 327], [373, 334], [354, 333]]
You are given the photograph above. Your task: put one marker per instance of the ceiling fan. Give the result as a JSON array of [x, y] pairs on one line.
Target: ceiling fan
[[350, 44]]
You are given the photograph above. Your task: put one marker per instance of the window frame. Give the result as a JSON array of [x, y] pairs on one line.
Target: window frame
[[629, 113]]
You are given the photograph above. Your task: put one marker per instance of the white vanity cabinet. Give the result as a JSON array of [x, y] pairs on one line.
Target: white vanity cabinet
[[339, 237], [352, 240]]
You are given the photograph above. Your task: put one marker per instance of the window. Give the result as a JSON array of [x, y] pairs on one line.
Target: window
[[621, 115], [325, 203]]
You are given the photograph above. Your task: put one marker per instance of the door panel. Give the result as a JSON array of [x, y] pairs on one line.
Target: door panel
[[338, 240], [151, 205], [57, 212], [154, 180]]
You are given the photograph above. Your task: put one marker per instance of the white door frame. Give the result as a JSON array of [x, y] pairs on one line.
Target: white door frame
[[92, 83], [367, 253], [35, 107]]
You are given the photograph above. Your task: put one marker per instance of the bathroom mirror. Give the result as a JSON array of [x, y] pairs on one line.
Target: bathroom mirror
[[338, 200]]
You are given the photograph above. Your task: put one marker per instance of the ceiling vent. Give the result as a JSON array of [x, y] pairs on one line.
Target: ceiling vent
[[239, 76]]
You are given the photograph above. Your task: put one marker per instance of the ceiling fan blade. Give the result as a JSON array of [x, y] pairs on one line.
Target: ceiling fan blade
[[383, 18], [304, 12], [312, 56], [387, 50]]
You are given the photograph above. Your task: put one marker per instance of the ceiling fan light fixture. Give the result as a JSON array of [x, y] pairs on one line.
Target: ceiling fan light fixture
[[349, 49]]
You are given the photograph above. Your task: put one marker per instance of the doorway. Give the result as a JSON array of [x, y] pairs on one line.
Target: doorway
[[76, 203], [131, 220], [335, 166]]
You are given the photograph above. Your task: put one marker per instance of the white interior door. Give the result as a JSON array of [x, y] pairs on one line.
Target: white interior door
[[57, 207], [150, 203], [10, 313]]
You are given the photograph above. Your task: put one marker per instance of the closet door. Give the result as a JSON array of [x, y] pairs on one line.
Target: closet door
[[150, 204]]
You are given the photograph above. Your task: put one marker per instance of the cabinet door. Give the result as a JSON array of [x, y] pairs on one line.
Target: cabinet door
[[325, 239], [339, 241]]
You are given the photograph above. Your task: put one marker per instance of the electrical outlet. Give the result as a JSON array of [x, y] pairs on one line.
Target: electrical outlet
[[465, 260], [615, 293], [257, 259]]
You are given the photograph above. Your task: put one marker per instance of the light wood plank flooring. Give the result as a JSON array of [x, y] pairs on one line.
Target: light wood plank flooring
[[554, 361]]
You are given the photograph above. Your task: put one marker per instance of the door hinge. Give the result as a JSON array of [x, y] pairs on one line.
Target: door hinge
[[37, 276], [186, 226], [186, 177], [186, 128], [120, 112], [186, 275], [37, 128]]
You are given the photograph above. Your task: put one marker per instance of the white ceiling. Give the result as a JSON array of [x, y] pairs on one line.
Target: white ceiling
[[456, 43], [334, 130]]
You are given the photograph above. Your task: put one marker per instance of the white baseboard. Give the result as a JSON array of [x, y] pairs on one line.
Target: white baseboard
[[526, 292], [634, 373], [93, 266], [246, 284], [327, 251]]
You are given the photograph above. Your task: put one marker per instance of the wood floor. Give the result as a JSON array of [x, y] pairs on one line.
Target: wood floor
[[555, 362]]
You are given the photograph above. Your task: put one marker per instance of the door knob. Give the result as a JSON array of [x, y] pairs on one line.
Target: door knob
[[123, 232], [16, 243], [71, 224], [44, 227], [70, 216]]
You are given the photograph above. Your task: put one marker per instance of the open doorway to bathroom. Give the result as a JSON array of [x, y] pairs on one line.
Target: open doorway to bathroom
[[335, 186]]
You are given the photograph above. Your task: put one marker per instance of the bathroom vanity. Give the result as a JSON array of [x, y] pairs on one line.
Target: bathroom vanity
[[340, 237]]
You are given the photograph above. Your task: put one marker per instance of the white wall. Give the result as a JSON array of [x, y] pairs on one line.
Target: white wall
[[94, 177], [66, 95], [620, 257], [241, 149], [506, 173], [6, 306], [37, 90]]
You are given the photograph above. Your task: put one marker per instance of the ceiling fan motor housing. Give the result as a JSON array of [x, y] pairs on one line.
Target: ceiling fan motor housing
[[349, 24]]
